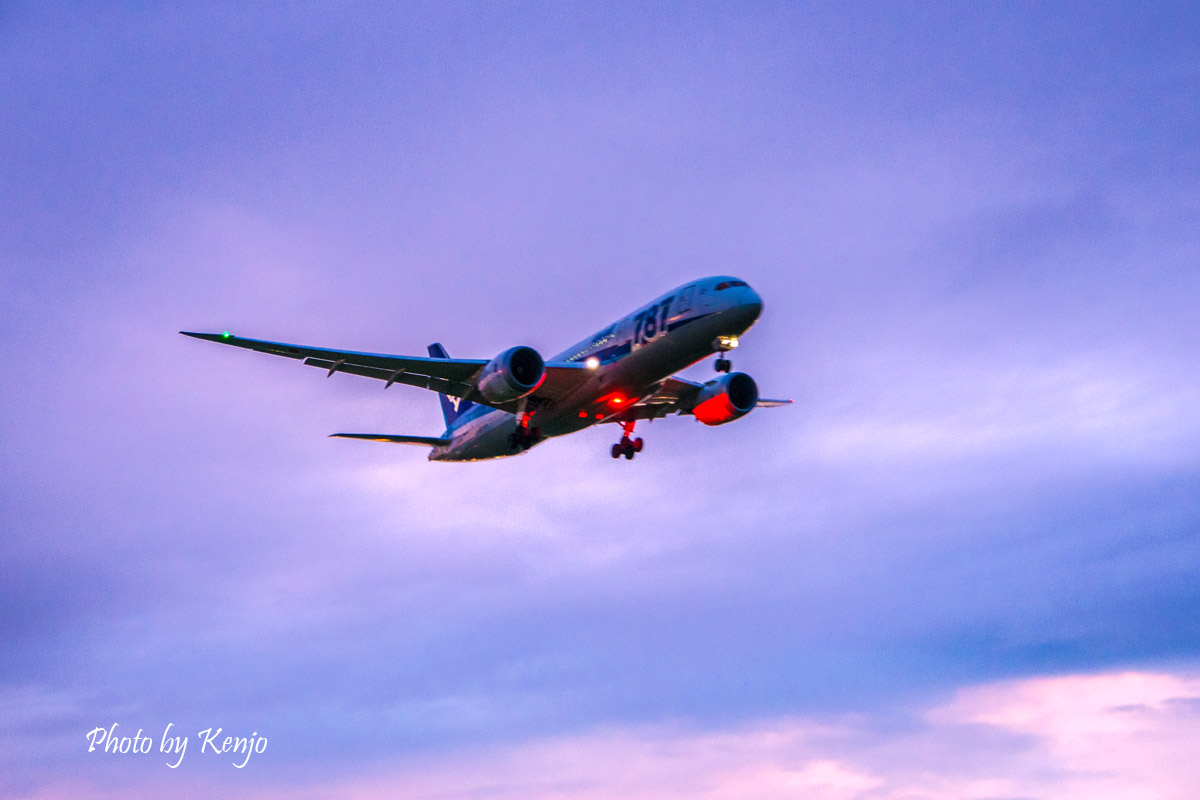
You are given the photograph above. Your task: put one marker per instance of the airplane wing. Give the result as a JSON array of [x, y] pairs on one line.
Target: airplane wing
[[675, 396], [451, 376], [430, 441]]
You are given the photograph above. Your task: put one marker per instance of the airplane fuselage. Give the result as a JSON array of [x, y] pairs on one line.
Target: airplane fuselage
[[627, 362]]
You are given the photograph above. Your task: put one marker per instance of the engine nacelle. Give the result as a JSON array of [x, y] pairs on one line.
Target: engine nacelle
[[511, 375], [726, 399]]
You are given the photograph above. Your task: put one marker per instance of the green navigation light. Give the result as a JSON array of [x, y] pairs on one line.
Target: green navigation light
[[226, 335]]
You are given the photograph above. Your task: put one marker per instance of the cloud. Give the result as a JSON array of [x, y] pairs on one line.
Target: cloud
[[1096, 406], [978, 257], [1107, 736], [1102, 736]]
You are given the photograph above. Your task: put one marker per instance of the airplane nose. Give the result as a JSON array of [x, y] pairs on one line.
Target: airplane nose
[[752, 303]]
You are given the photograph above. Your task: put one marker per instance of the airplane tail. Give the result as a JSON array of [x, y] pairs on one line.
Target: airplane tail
[[452, 407]]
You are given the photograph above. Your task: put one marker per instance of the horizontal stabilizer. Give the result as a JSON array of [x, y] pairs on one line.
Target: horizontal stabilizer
[[428, 441]]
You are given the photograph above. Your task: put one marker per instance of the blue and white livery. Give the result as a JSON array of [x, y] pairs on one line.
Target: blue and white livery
[[622, 374]]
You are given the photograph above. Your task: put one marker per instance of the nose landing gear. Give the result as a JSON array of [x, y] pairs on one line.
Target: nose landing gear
[[722, 345], [627, 447]]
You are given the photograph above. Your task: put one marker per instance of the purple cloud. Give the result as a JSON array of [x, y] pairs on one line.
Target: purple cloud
[[975, 232]]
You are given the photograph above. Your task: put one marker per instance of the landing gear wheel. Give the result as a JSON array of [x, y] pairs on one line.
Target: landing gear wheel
[[723, 365], [627, 447], [524, 438]]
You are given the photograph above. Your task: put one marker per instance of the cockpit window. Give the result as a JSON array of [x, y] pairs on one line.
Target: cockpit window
[[730, 284]]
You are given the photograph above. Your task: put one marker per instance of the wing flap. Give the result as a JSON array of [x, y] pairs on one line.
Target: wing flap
[[676, 396], [453, 369], [439, 385], [450, 376]]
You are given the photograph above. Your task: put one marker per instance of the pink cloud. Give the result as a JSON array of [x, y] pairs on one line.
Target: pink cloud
[[1120, 736], [1127, 735]]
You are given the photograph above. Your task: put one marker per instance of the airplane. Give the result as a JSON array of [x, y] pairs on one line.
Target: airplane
[[622, 374]]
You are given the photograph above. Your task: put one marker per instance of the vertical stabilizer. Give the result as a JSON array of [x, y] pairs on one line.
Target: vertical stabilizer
[[452, 407]]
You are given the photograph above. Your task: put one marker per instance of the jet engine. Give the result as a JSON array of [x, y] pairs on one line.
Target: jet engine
[[726, 398], [511, 375]]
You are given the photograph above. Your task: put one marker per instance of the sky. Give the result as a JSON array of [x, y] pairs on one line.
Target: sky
[[964, 564]]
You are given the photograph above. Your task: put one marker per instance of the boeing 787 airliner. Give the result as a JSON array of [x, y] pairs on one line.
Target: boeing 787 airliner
[[622, 374]]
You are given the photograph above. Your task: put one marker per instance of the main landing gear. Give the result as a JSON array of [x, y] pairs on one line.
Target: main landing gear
[[627, 447], [723, 344], [524, 437]]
